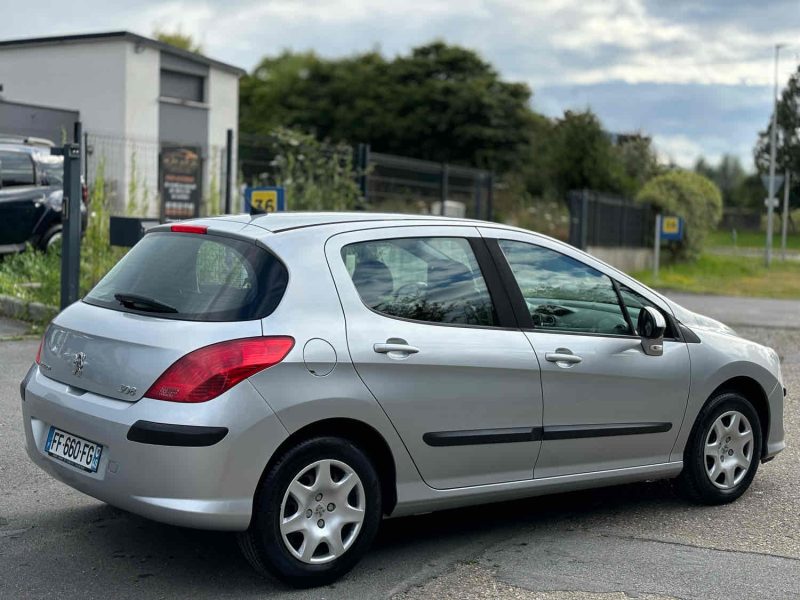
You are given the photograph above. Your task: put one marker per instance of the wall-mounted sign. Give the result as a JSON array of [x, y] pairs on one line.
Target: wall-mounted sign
[[181, 182], [672, 228], [259, 200]]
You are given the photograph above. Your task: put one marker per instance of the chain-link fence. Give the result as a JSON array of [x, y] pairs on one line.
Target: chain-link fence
[[130, 170]]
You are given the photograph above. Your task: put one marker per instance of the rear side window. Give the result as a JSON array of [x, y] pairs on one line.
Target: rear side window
[[16, 169], [437, 280], [195, 278]]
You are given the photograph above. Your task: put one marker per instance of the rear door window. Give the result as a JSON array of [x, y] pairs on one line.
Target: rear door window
[[194, 277], [436, 280]]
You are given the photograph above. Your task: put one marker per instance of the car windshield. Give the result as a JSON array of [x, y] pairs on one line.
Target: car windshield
[[195, 278], [51, 169]]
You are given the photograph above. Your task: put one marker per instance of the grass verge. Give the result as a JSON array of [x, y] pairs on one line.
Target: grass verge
[[729, 276], [750, 239]]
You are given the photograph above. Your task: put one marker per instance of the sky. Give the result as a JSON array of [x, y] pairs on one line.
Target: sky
[[696, 75]]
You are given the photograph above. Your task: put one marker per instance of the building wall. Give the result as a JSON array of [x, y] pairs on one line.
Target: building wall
[[223, 96], [28, 120], [88, 77]]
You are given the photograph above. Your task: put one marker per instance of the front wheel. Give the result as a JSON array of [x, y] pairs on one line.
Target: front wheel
[[316, 513], [723, 451]]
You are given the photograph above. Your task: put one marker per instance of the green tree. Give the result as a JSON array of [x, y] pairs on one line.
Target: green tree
[[685, 194], [788, 136], [440, 102], [176, 38], [731, 179]]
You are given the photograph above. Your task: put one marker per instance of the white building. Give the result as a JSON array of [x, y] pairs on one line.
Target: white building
[[135, 96]]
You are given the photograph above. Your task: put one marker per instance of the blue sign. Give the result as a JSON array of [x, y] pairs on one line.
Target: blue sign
[[264, 199], [672, 228]]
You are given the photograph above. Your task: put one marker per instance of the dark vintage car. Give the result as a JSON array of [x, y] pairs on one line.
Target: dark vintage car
[[31, 195]]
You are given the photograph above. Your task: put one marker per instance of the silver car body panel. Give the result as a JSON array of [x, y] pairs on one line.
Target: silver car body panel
[[338, 377]]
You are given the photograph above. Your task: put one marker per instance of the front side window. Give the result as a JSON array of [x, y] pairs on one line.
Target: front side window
[[635, 302], [436, 280], [562, 293], [16, 169]]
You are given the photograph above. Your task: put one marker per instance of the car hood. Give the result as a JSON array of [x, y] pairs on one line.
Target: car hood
[[695, 320]]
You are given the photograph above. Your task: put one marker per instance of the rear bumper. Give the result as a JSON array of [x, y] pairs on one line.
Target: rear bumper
[[158, 460]]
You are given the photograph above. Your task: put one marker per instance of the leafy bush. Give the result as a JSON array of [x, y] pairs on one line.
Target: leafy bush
[[316, 176], [691, 196]]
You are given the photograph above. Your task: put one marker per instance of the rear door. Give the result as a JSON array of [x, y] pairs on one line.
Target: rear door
[[607, 404], [431, 334], [19, 197]]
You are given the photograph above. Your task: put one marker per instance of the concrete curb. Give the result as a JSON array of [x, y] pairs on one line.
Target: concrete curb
[[15, 308]]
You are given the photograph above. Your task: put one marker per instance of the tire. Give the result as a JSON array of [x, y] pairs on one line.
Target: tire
[[706, 477], [51, 237], [334, 516]]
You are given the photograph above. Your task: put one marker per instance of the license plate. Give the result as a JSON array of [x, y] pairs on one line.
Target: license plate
[[73, 450]]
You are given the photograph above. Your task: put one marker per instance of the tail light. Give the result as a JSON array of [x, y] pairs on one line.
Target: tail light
[[85, 194], [208, 372], [39, 352]]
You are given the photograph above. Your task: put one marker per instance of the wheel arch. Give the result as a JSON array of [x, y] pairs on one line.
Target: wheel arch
[[755, 393], [362, 435]]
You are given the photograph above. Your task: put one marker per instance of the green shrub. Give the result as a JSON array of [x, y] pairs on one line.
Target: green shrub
[[688, 195]]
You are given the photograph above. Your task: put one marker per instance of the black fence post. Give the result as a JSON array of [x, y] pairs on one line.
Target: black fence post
[[490, 196], [443, 188], [71, 218], [584, 219], [228, 170], [362, 165]]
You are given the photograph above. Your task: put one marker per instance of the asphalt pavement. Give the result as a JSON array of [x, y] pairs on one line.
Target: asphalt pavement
[[637, 540]]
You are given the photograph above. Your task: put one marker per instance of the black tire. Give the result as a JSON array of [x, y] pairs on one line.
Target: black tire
[[694, 482], [263, 545], [49, 236]]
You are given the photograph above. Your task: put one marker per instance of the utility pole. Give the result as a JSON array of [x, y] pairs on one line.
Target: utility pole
[[787, 182], [773, 135]]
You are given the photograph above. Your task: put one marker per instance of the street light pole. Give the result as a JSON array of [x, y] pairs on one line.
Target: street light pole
[[773, 135]]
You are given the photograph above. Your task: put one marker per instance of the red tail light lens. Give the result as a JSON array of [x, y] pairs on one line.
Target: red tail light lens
[[84, 193], [189, 229], [39, 352], [208, 372]]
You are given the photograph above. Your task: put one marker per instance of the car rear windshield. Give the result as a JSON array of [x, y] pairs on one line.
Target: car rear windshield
[[193, 277]]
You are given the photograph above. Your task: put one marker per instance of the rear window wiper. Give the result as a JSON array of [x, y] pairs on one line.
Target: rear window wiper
[[144, 303]]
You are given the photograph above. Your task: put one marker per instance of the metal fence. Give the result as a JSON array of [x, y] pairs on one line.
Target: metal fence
[[388, 183], [131, 175], [602, 220]]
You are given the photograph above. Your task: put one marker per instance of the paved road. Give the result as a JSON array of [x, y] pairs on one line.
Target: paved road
[[636, 540], [741, 311]]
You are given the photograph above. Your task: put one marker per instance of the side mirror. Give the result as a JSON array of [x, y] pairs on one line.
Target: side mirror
[[651, 326]]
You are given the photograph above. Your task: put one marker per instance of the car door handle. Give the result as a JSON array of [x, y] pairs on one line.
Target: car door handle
[[562, 357], [394, 347]]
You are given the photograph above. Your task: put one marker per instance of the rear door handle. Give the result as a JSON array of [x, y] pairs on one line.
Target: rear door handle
[[393, 347], [562, 357]]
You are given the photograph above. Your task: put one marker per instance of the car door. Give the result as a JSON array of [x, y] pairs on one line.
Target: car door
[[607, 404], [19, 197], [431, 334]]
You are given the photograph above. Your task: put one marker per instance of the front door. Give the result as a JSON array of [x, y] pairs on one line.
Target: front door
[[607, 405], [437, 346]]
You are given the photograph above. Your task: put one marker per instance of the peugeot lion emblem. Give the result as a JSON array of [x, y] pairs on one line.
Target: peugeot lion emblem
[[79, 362]]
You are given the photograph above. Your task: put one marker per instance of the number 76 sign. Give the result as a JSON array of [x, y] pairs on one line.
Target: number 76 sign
[[264, 199]]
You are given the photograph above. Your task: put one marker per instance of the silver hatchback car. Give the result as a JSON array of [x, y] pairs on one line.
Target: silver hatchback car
[[297, 377]]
